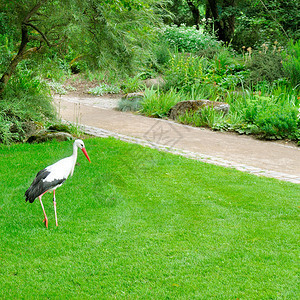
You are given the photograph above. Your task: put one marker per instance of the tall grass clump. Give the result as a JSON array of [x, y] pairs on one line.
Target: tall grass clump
[[206, 117], [157, 103]]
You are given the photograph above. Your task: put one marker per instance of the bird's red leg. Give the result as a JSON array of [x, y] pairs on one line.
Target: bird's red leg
[[54, 203], [46, 219]]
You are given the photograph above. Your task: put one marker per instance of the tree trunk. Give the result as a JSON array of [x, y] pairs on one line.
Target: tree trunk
[[13, 64], [195, 13], [224, 26], [22, 49]]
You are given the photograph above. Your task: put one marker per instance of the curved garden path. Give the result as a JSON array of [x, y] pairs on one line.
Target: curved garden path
[[98, 117]]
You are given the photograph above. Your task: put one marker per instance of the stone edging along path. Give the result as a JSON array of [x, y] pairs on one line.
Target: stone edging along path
[[193, 155]]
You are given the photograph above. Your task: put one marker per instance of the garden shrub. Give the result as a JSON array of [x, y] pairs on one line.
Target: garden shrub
[[291, 62], [264, 67], [192, 40], [25, 98], [184, 71], [277, 122], [161, 53], [132, 84], [270, 118]]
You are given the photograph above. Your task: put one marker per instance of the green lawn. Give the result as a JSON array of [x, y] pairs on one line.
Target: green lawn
[[138, 223]]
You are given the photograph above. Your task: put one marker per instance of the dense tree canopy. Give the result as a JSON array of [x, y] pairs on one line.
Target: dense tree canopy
[[119, 33], [235, 20], [111, 30]]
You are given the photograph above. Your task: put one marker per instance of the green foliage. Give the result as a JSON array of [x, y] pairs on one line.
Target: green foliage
[[183, 71], [6, 51], [31, 93], [132, 84], [57, 87], [189, 39], [259, 22], [264, 65], [225, 71], [104, 89], [189, 72], [180, 13], [129, 104], [266, 117], [12, 120], [157, 103], [161, 53], [118, 38], [206, 117], [271, 118], [291, 63], [26, 98]]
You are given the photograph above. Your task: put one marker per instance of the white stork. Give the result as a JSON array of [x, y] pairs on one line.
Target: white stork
[[52, 177]]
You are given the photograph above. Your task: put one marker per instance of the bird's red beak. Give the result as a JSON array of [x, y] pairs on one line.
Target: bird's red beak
[[85, 153]]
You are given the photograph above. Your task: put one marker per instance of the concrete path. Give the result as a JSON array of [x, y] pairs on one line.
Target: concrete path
[[272, 159]]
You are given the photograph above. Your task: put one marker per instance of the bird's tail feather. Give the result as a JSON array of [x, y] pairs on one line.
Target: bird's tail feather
[[29, 196]]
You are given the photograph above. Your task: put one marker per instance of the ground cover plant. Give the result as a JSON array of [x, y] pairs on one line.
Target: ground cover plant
[[140, 223]]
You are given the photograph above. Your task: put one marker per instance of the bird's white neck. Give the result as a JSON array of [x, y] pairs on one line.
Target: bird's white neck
[[74, 157]]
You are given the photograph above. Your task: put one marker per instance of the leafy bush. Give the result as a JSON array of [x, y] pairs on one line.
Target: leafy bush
[[225, 71], [277, 122], [264, 65], [266, 117], [291, 63], [25, 98], [161, 53], [6, 51], [183, 71], [132, 84], [269, 117], [188, 72], [11, 121], [189, 39]]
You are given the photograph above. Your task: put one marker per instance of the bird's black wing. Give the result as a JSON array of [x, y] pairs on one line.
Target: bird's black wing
[[39, 186]]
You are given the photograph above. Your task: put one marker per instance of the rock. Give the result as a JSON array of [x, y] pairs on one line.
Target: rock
[[59, 128], [30, 128], [195, 105], [44, 136], [23, 130], [134, 96]]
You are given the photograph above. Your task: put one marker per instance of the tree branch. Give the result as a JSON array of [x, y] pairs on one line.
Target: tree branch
[[33, 10], [40, 32]]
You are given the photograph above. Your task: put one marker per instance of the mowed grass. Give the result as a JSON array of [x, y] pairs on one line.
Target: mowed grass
[[138, 223]]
